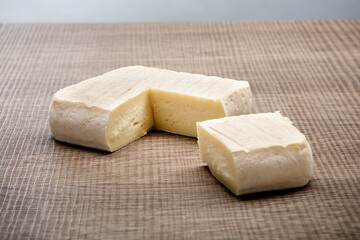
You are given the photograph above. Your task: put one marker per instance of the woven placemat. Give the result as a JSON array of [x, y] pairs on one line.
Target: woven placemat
[[157, 187]]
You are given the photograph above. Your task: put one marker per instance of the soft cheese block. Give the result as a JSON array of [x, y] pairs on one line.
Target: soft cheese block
[[109, 111], [255, 152]]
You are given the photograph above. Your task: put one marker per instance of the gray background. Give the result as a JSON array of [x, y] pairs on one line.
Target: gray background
[[174, 10]]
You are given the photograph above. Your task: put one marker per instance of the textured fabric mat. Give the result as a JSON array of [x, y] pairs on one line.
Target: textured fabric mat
[[157, 187]]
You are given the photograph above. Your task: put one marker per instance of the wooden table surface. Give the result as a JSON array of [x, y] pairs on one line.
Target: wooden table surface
[[157, 187]]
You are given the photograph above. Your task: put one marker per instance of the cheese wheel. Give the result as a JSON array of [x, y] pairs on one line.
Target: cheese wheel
[[110, 111]]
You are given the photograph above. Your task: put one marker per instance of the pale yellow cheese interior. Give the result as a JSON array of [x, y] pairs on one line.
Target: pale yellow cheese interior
[[178, 113], [218, 157], [129, 121]]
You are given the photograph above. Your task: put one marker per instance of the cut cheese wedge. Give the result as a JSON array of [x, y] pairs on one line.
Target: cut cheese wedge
[[110, 111], [255, 152]]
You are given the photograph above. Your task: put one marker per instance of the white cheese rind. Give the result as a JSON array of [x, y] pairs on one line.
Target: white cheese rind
[[79, 124], [255, 152], [109, 111]]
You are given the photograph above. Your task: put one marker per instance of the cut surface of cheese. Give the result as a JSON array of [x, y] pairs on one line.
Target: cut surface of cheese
[[109, 111], [255, 152], [178, 113]]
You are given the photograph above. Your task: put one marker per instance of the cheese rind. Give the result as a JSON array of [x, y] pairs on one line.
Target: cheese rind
[[109, 111], [255, 152], [79, 124]]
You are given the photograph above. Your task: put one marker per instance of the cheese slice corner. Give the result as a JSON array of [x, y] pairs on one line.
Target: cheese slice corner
[[255, 152]]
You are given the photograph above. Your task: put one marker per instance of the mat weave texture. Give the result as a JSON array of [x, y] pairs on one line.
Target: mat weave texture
[[157, 187]]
